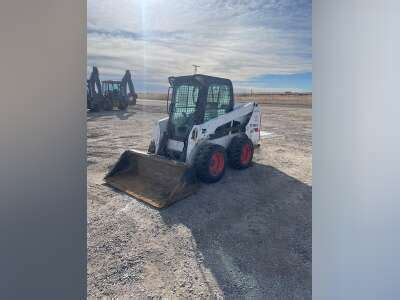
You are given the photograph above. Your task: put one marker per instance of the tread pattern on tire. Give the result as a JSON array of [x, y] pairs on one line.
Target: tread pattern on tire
[[202, 162], [152, 147], [235, 151]]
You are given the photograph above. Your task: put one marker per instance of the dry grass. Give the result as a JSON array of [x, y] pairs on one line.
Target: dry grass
[[302, 99]]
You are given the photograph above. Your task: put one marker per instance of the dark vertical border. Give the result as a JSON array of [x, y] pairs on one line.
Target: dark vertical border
[[356, 149], [42, 149]]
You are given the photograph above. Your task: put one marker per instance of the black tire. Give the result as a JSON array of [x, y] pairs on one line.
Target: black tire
[[123, 105], [132, 99], [96, 106], [89, 102], [238, 146], [205, 163], [108, 104], [152, 147]]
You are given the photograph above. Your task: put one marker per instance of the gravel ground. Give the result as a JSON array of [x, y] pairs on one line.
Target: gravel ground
[[248, 235]]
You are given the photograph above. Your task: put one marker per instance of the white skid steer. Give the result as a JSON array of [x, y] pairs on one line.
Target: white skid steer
[[204, 132]]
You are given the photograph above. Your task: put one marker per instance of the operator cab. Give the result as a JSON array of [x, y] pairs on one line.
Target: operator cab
[[196, 99], [111, 87]]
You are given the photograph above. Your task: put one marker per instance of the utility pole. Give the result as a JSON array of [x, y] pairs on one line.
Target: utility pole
[[195, 68]]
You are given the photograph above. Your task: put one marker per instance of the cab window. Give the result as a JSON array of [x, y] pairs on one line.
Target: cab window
[[218, 101]]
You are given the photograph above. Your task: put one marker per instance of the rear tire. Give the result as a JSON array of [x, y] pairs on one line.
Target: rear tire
[[210, 163], [240, 152]]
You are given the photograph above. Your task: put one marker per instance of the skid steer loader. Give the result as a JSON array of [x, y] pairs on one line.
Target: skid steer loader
[[205, 130]]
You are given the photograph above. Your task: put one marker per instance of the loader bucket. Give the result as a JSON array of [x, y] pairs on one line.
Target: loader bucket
[[152, 178]]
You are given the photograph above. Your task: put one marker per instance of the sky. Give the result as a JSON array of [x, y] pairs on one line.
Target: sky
[[262, 46]]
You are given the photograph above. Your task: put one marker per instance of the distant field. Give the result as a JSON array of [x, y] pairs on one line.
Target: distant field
[[303, 99], [152, 96]]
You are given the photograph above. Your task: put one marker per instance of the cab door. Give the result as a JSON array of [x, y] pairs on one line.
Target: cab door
[[183, 115]]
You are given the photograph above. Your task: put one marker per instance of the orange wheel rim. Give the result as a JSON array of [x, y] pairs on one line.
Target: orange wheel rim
[[245, 156], [217, 163]]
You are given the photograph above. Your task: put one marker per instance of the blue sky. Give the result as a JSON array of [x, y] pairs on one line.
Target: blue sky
[[260, 45]]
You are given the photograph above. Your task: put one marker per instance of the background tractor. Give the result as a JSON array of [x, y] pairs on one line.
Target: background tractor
[[110, 93], [116, 92]]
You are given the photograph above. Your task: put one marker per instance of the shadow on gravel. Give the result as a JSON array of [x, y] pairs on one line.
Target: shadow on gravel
[[123, 115], [252, 230]]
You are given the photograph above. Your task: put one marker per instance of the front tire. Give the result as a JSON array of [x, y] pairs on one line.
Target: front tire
[[210, 163], [123, 105], [108, 104], [96, 106], [152, 147], [240, 152]]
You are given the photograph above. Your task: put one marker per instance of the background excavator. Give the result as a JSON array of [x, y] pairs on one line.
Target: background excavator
[[116, 92], [204, 132], [110, 93]]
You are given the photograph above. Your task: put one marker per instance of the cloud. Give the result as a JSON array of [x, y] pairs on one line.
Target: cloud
[[240, 40]]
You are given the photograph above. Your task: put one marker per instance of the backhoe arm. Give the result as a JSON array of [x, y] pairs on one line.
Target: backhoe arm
[[94, 82], [126, 83]]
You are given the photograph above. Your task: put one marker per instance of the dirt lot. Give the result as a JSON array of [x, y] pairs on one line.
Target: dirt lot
[[247, 235]]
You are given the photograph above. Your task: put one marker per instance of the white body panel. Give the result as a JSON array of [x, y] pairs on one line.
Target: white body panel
[[175, 145], [253, 128], [158, 131], [202, 133]]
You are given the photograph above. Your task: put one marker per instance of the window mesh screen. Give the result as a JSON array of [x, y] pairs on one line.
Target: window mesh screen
[[185, 101], [218, 100]]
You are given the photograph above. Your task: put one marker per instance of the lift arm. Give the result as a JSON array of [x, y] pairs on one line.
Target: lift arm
[[94, 84]]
